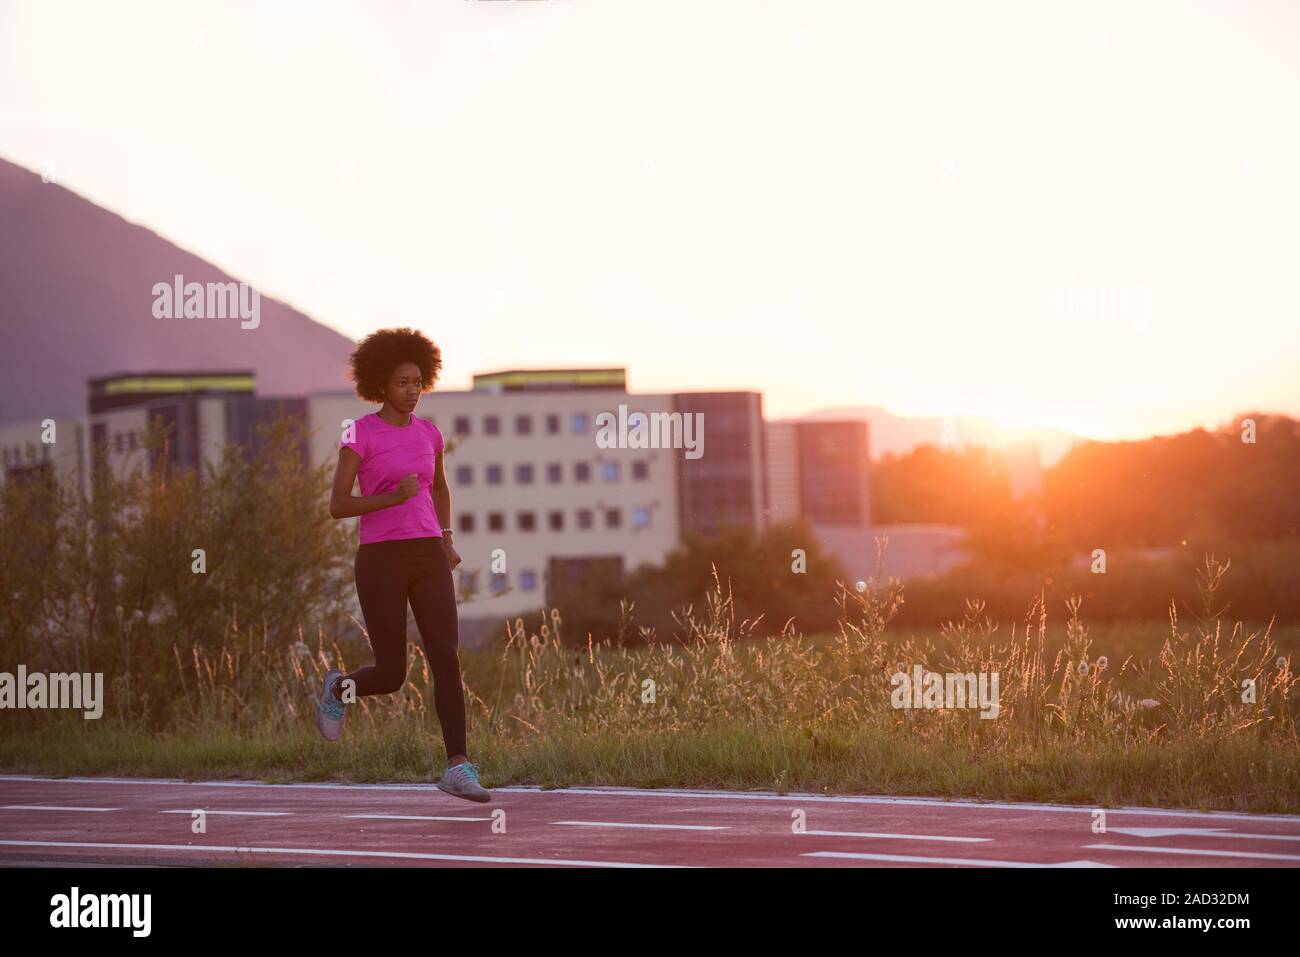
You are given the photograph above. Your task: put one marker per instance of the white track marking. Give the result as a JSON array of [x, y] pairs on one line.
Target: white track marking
[[413, 817], [330, 852], [687, 793], [959, 861], [228, 813], [896, 802], [901, 837], [51, 807], [1192, 852], [1198, 832], [665, 827]]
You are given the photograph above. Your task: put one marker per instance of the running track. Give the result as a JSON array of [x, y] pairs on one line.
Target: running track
[[138, 821]]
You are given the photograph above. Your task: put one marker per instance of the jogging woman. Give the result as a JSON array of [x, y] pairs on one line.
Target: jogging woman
[[406, 552]]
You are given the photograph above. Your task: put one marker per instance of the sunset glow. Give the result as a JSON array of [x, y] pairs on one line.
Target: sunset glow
[[585, 184]]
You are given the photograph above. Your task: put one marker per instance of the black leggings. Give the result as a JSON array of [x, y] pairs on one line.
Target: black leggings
[[389, 574]]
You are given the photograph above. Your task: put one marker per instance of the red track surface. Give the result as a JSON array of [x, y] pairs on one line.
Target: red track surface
[[105, 821]]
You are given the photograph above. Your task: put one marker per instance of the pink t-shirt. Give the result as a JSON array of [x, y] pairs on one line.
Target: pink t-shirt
[[388, 454]]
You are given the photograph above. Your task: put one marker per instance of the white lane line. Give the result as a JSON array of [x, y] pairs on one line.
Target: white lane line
[[1199, 832], [330, 852], [413, 817], [662, 827], [52, 807], [1193, 852], [688, 793], [228, 813], [896, 802], [901, 837], [961, 861]]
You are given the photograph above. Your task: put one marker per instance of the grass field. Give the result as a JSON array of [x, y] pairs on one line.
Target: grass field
[[1147, 713]]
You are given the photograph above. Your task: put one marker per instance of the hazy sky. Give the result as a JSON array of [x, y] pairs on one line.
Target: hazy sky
[[1082, 215]]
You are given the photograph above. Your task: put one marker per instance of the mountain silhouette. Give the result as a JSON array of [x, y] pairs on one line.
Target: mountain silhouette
[[76, 302]]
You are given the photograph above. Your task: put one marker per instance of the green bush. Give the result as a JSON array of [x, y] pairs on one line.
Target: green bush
[[110, 582]]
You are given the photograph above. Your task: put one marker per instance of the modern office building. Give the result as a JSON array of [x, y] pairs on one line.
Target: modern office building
[[553, 474], [820, 471], [533, 481], [551, 470], [725, 485], [44, 451], [198, 411]]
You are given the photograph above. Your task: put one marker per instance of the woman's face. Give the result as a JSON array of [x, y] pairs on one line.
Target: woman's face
[[404, 387]]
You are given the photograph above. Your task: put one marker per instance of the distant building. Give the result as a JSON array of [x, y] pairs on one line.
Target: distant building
[[534, 495], [819, 470], [534, 492], [200, 411], [781, 461], [726, 485], [910, 551], [536, 499]]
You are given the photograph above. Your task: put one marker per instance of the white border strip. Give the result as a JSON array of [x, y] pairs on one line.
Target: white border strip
[[900, 837], [412, 817], [215, 813]]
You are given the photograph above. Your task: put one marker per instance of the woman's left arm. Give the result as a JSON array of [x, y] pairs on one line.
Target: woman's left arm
[[441, 493]]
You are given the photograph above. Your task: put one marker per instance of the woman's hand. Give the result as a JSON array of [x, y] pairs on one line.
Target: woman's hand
[[406, 488], [343, 504], [453, 559]]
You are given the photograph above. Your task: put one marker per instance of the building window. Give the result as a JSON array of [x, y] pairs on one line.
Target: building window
[[582, 472], [552, 424], [526, 521], [581, 423], [492, 425], [461, 426], [495, 474], [524, 474], [609, 471], [498, 582], [464, 475], [469, 582], [555, 520], [528, 579], [613, 518], [555, 473], [496, 521], [641, 517], [133, 442], [523, 425], [640, 470], [585, 518], [465, 522]]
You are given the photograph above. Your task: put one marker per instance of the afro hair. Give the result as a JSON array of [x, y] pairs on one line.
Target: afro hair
[[383, 351]]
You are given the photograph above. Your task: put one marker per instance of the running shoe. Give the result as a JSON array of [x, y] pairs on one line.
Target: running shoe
[[330, 710], [461, 780]]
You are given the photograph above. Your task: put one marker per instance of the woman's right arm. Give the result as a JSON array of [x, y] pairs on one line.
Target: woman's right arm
[[343, 504]]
